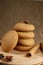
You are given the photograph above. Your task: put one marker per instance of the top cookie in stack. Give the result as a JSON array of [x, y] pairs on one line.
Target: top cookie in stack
[[26, 35], [24, 27]]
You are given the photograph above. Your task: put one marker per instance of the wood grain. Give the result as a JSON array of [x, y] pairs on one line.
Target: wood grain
[[19, 58], [13, 11]]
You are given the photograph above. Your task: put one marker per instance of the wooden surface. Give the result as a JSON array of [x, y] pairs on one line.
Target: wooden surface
[[13, 11], [20, 58]]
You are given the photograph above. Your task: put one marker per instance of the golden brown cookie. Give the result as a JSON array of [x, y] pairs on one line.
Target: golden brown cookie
[[23, 48], [24, 27], [9, 40], [26, 42], [26, 34]]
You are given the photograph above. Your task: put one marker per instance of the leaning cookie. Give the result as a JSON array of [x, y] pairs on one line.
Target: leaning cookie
[[24, 27], [26, 34], [23, 48], [9, 40], [26, 42]]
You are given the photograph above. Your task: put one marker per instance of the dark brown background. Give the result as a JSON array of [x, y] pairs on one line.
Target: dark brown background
[[13, 11]]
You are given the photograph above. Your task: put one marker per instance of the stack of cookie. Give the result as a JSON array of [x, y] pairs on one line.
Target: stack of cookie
[[26, 36]]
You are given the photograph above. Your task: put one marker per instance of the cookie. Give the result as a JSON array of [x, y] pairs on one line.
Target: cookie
[[24, 27], [9, 40], [26, 34], [23, 48], [26, 42]]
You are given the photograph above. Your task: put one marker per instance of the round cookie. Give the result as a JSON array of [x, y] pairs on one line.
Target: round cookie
[[26, 34], [9, 41], [23, 48], [24, 27], [26, 42]]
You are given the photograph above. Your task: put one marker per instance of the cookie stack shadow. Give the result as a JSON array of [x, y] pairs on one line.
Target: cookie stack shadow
[[26, 36]]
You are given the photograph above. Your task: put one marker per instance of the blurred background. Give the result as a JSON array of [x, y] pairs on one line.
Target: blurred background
[[13, 11]]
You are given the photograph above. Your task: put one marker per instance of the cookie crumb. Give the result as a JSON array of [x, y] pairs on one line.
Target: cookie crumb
[[26, 22]]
